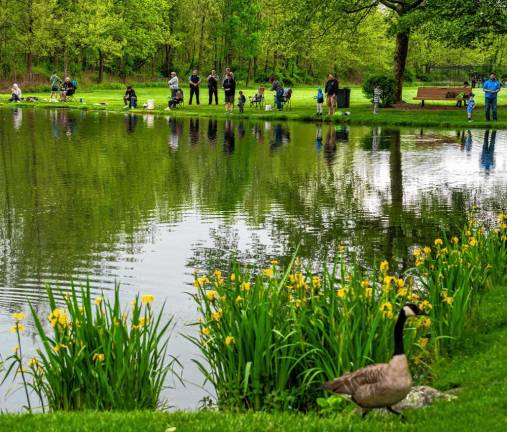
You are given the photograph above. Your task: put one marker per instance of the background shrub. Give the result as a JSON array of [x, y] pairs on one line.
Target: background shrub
[[387, 86]]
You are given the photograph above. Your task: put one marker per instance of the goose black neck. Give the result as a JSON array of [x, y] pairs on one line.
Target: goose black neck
[[398, 333]]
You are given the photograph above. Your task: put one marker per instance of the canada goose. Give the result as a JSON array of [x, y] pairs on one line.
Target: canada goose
[[380, 385]]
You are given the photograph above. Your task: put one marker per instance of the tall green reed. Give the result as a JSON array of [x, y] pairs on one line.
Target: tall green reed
[[269, 340], [94, 354]]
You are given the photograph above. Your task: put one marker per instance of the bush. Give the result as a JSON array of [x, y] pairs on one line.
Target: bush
[[94, 355], [387, 86], [270, 340]]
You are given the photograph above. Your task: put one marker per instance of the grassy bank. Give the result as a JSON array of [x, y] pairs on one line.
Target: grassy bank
[[479, 370], [303, 108]]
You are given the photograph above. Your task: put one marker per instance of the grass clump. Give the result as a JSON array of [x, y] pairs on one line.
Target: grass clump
[[270, 339], [95, 355]]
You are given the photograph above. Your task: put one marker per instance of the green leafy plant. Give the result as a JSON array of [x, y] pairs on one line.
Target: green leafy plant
[[95, 355], [387, 87]]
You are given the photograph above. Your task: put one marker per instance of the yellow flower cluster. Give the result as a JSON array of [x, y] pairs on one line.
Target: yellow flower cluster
[[426, 305], [217, 315], [201, 281], [387, 310], [58, 347], [316, 281], [147, 299], [297, 280], [268, 272], [18, 327], [229, 340], [446, 298], [143, 321], [206, 331], [439, 242], [384, 266], [245, 286], [98, 357], [211, 295], [342, 292], [19, 316], [58, 317]]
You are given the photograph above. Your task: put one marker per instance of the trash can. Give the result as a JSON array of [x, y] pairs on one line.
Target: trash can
[[343, 98]]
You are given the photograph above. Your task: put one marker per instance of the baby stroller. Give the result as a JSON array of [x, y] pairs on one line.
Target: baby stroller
[[286, 97], [258, 99]]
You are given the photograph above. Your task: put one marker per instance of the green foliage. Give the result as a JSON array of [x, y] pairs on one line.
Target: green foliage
[[270, 340], [96, 354], [386, 85]]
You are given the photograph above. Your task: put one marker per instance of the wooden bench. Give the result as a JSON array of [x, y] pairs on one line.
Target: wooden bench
[[441, 93]]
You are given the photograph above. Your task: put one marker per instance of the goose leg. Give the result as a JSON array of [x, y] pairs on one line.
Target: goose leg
[[402, 417], [390, 409]]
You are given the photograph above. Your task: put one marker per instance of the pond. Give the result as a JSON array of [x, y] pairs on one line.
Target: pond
[[144, 201]]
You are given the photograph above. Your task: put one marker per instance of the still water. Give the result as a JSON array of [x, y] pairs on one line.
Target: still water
[[144, 201]]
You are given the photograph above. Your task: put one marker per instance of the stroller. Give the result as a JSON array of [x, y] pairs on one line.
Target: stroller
[[258, 99]]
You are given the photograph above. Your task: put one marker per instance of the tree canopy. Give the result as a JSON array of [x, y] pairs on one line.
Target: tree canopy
[[300, 40]]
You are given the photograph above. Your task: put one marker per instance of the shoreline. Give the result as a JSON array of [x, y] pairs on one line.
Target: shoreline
[[359, 115]]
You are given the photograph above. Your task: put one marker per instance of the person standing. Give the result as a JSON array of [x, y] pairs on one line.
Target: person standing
[[229, 86], [194, 82], [470, 106], [331, 89], [277, 87], [173, 84], [377, 93], [491, 89], [227, 71], [55, 81], [213, 87]]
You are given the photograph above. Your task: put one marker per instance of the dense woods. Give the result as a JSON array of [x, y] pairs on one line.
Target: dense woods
[[301, 40]]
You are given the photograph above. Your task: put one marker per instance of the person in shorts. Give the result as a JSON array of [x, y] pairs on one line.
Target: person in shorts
[[55, 81], [229, 86]]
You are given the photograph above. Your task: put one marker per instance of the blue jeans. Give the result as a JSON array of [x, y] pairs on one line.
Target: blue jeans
[[278, 99], [491, 106]]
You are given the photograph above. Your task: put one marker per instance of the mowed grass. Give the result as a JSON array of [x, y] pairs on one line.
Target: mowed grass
[[481, 404], [302, 108]]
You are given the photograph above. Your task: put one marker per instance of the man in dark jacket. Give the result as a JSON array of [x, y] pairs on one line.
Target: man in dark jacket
[[332, 86], [194, 82], [229, 86], [213, 87], [277, 87]]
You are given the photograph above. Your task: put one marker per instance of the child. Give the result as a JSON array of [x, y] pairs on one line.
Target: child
[[241, 102], [320, 100], [470, 106], [377, 92]]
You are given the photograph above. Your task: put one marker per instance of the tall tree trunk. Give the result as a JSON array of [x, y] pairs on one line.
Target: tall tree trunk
[[266, 63], [101, 66], [275, 60], [248, 75], [400, 62], [168, 59], [201, 41], [29, 65]]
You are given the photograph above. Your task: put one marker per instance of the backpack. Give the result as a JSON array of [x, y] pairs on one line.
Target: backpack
[[74, 83]]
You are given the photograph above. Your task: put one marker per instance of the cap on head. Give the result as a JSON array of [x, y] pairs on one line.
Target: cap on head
[[411, 309]]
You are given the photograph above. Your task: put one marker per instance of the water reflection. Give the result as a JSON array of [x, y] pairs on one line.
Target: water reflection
[[229, 137], [145, 211], [131, 122], [17, 117], [488, 151], [212, 131]]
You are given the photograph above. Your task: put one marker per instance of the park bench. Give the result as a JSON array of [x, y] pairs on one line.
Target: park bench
[[441, 93]]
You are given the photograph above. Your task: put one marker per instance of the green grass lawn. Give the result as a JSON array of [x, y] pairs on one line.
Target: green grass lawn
[[479, 369], [303, 107]]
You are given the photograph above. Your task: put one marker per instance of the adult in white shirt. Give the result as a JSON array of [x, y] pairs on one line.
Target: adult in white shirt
[[173, 84], [15, 93]]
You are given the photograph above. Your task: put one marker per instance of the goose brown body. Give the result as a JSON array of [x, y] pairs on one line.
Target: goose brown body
[[380, 385], [376, 386]]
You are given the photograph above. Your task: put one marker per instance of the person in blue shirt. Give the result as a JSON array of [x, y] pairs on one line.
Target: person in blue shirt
[[491, 88]]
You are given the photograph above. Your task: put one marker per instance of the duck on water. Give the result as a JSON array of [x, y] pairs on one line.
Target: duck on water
[[380, 385]]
